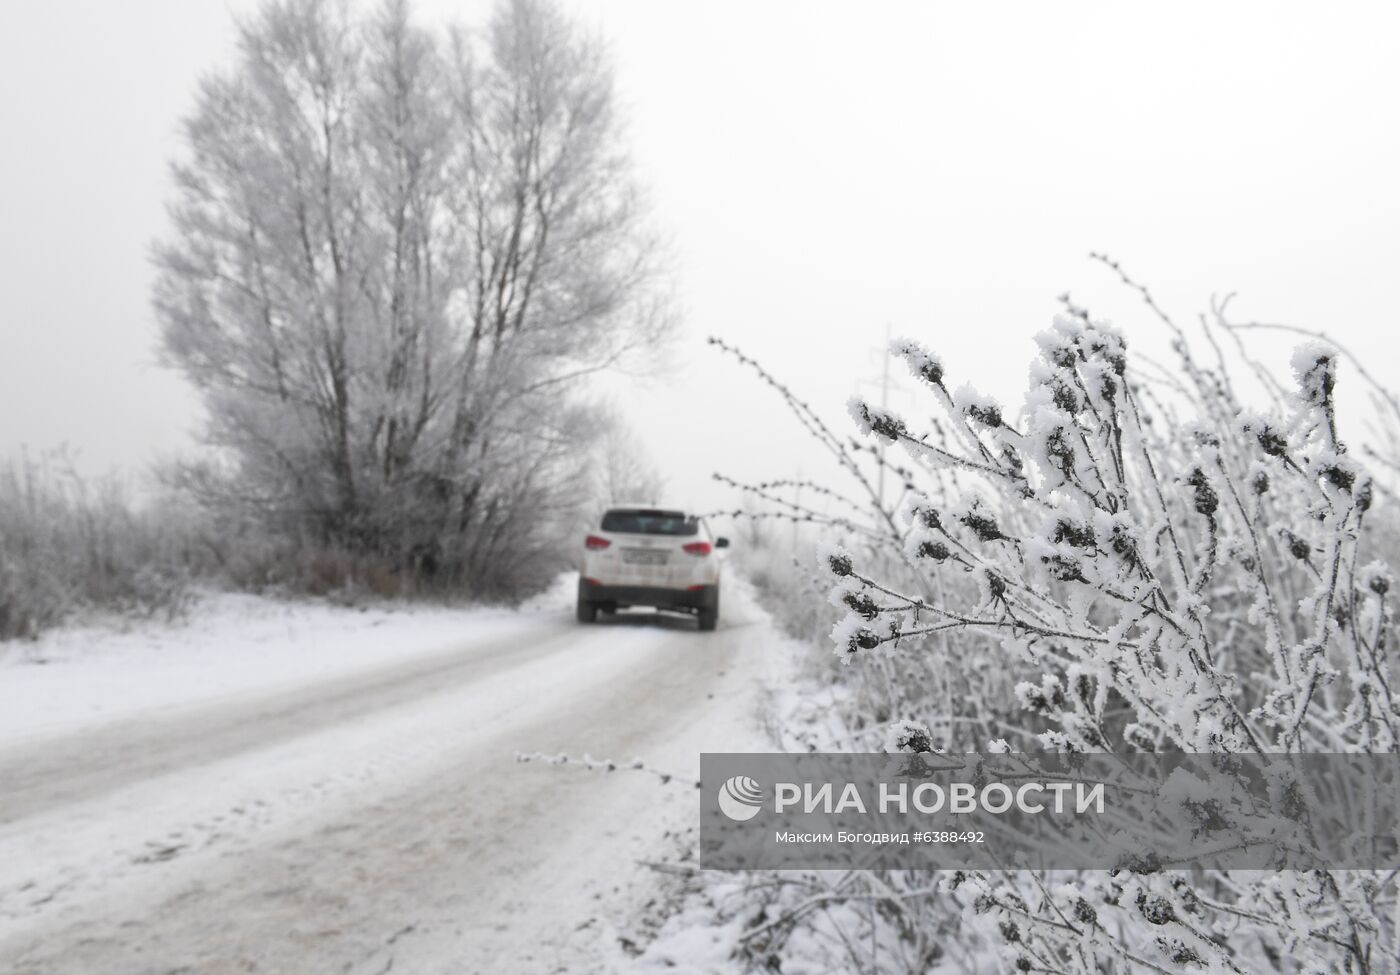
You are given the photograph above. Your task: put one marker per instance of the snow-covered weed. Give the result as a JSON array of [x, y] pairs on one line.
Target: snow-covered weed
[[1129, 561]]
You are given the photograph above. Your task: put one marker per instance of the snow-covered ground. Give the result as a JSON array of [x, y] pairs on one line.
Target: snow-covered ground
[[230, 645], [281, 786]]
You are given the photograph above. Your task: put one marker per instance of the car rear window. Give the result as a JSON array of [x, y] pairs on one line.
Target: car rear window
[[640, 521]]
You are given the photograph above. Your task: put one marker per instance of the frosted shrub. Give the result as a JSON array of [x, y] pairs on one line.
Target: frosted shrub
[[67, 544], [1125, 564], [1210, 576]]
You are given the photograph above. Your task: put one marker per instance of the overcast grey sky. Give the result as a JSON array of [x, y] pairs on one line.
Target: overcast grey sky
[[824, 169]]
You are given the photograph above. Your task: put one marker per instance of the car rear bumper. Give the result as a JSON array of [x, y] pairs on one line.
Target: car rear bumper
[[619, 597]]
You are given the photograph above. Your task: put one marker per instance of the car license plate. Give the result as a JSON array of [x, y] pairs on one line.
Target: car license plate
[[643, 556]]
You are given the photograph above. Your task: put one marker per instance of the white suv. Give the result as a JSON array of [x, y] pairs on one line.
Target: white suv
[[643, 556]]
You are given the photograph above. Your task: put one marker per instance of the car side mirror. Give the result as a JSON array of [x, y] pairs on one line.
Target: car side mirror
[[721, 542]]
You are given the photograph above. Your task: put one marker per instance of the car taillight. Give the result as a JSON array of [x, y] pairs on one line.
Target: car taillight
[[593, 543], [698, 548]]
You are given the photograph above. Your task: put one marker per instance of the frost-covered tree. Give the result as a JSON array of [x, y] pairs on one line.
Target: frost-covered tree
[[393, 252], [621, 470]]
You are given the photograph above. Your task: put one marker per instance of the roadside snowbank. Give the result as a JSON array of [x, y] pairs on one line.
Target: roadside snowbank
[[229, 645], [559, 597]]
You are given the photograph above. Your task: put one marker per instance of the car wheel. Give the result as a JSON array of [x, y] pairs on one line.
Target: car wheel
[[709, 618], [587, 612]]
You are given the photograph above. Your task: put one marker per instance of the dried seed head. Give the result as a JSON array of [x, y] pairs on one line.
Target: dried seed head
[[1339, 477], [933, 550], [982, 525], [1080, 536], [1155, 908], [862, 604], [1205, 500], [989, 415], [862, 639], [1297, 547]]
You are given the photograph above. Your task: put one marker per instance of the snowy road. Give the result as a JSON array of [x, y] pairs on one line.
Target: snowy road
[[372, 817]]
